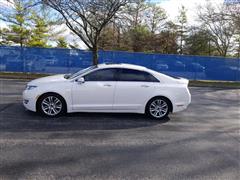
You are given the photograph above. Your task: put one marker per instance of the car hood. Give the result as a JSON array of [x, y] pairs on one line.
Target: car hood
[[48, 79]]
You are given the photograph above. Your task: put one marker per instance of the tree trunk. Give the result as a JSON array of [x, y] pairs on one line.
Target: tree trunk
[[118, 38], [238, 52], [209, 47], [95, 55], [181, 44], [225, 52]]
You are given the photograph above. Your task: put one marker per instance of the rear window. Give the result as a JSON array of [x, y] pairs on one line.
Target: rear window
[[135, 75]]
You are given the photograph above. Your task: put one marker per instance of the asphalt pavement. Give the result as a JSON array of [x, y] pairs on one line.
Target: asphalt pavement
[[202, 142]]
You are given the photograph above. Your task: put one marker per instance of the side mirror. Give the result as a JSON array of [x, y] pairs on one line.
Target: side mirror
[[80, 80]]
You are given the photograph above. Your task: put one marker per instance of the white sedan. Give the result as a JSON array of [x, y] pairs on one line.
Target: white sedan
[[121, 88]]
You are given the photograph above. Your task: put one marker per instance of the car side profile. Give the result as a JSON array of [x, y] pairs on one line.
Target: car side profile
[[120, 88]]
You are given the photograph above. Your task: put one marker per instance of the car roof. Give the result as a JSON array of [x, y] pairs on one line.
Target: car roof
[[122, 65]]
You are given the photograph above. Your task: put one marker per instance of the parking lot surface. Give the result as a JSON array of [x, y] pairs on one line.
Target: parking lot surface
[[199, 143]]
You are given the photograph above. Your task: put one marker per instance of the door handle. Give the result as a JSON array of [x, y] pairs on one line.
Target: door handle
[[144, 86], [107, 85]]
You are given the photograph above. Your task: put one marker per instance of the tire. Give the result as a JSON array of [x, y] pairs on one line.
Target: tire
[[158, 108], [51, 105]]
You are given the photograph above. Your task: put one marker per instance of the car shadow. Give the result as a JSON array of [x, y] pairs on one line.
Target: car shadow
[[16, 118]]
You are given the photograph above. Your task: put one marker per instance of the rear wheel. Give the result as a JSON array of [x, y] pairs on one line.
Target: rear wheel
[[158, 108], [51, 105]]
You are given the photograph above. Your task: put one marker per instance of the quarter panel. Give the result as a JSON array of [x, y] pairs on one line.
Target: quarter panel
[[61, 88], [178, 94]]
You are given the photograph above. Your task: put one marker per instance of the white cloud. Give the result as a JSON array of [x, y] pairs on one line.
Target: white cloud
[[172, 7], [3, 24], [5, 4]]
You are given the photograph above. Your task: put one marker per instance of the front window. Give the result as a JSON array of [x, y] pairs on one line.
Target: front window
[[101, 75]]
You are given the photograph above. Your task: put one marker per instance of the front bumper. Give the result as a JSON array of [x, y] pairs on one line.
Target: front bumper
[[29, 101]]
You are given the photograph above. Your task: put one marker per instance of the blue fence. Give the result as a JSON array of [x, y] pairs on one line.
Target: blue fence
[[41, 60]]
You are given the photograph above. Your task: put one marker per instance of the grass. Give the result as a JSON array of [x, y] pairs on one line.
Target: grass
[[21, 76], [30, 76], [219, 84]]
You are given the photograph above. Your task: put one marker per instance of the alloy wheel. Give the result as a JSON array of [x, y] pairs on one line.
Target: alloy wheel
[[158, 108], [51, 106]]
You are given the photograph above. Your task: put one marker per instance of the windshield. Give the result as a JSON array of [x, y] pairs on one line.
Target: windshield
[[78, 73]]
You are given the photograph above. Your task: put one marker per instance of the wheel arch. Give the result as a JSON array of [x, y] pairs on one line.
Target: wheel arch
[[50, 93], [160, 96]]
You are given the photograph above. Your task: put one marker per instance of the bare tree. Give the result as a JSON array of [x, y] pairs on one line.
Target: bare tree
[[233, 14], [155, 18], [221, 28], [133, 13], [87, 18]]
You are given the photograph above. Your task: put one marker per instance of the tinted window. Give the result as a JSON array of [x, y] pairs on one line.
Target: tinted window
[[135, 75], [101, 75]]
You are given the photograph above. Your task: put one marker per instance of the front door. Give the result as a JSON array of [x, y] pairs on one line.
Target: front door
[[96, 93]]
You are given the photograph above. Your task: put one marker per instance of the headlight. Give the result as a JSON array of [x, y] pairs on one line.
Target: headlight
[[30, 87]]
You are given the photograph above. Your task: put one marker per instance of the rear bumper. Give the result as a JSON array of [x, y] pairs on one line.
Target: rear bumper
[[179, 107], [183, 104]]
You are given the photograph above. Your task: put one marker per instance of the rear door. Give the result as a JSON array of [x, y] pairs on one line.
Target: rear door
[[133, 89]]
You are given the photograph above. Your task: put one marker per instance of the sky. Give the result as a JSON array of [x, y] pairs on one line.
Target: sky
[[171, 6], [3, 5]]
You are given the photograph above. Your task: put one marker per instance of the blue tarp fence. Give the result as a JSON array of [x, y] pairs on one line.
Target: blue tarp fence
[[43, 60]]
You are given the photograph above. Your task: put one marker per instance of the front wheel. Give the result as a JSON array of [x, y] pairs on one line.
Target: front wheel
[[158, 108], [51, 105]]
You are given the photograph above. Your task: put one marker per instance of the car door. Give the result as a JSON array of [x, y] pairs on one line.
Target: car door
[[97, 91], [133, 89]]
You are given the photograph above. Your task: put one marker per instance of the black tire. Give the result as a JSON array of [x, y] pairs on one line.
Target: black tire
[[55, 98], [162, 112]]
